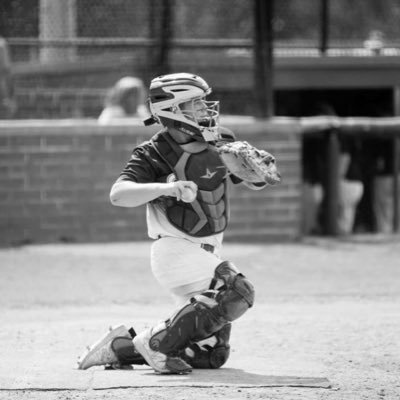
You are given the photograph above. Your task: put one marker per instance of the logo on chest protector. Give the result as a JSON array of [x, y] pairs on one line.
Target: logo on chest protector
[[208, 174]]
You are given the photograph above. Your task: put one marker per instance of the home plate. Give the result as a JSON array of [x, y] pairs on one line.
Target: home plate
[[146, 377]]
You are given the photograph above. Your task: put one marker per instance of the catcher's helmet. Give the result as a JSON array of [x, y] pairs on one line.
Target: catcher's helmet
[[177, 101]]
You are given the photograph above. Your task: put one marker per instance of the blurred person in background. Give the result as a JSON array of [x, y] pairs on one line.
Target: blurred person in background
[[351, 190], [7, 101], [382, 193], [350, 186], [126, 99], [375, 42]]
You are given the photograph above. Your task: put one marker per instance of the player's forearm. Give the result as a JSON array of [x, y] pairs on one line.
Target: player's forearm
[[132, 194]]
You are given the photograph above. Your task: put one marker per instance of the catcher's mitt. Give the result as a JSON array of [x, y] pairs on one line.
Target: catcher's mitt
[[249, 163]]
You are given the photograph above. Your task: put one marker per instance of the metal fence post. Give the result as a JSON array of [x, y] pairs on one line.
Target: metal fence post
[[161, 20], [324, 31], [167, 14], [263, 57]]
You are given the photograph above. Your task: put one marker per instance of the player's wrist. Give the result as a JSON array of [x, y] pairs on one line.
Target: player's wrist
[[170, 189]]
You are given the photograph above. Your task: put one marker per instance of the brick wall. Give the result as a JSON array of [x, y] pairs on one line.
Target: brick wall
[[55, 178], [53, 103]]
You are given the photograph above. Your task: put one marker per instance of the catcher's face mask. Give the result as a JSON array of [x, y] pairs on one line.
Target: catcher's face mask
[[205, 114]]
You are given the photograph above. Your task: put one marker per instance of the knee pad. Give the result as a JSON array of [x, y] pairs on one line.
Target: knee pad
[[236, 294], [206, 313]]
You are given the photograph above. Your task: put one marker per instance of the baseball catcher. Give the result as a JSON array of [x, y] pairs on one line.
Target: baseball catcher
[[182, 174]]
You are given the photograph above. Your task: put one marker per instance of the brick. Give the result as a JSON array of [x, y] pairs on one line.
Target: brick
[[65, 159], [22, 142], [57, 140], [82, 142], [9, 184], [4, 142], [19, 222]]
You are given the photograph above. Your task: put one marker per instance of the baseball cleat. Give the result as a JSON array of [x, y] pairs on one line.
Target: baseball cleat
[[160, 362], [100, 353]]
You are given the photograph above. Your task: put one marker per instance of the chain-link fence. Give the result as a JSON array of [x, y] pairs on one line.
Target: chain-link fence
[[70, 51]]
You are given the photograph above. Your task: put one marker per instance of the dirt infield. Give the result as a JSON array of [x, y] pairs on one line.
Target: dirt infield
[[325, 325]]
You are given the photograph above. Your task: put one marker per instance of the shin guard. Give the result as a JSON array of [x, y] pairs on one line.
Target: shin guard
[[206, 313]]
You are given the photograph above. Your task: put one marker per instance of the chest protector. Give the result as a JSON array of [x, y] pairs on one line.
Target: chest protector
[[198, 162]]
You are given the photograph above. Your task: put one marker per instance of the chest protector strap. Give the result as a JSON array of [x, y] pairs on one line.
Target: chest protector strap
[[198, 162]]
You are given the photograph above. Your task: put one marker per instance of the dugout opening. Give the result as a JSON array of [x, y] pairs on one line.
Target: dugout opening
[[341, 102], [365, 161]]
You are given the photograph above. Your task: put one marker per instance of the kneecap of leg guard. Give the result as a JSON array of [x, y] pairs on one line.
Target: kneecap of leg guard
[[237, 293]]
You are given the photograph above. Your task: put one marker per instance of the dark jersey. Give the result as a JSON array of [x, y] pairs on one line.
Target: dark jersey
[[145, 166]]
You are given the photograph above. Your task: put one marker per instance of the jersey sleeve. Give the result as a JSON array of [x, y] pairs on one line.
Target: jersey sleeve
[[144, 166]]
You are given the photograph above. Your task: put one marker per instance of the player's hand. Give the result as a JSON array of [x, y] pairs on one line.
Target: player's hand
[[178, 188]]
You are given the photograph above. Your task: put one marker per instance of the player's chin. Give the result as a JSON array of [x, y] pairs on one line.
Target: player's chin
[[207, 123]]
